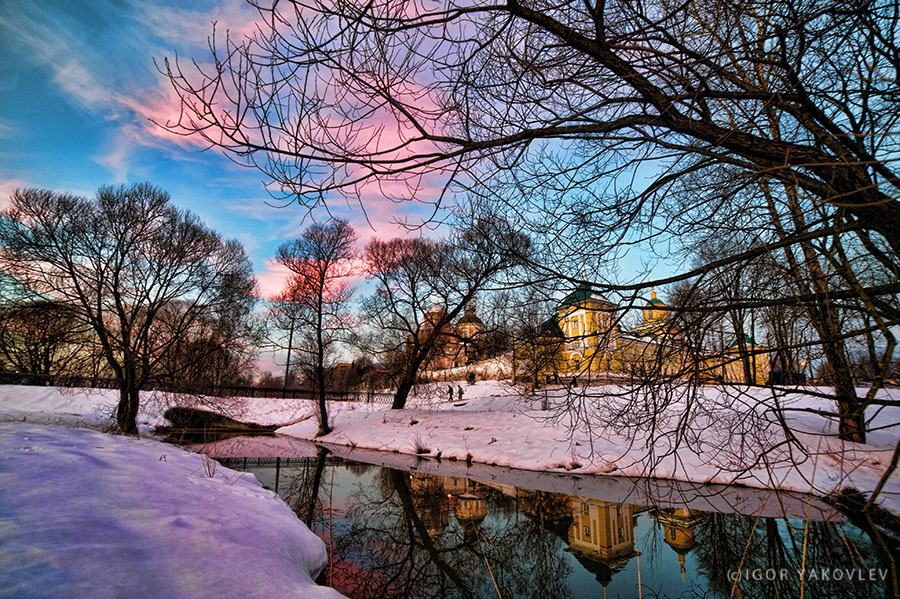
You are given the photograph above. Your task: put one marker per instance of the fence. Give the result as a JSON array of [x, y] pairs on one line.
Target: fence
[[19, 378]]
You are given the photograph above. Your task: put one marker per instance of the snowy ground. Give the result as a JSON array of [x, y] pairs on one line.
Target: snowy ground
[[89, 515], [725, 438], [720, 436]]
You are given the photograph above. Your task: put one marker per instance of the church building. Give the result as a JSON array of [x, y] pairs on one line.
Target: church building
[[594, 346], [455, 345], [597, 344]]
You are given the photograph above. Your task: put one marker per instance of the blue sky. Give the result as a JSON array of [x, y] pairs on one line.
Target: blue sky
[[78, 89]]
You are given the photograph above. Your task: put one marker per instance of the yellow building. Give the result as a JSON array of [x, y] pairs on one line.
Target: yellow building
[[603, 531], [752, 356], [585, 343], [601, 536], [585, 319], [596, 347]]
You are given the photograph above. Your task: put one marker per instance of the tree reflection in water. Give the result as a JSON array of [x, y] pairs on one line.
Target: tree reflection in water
[[420, 536], [776, 548], [401, 534]]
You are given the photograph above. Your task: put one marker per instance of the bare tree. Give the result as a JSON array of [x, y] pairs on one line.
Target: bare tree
[[312, 94], [551, 109], [282, 319], [537, 340], [41, 337], [142, 274], [220, 349], [423, 285], [320, 260]]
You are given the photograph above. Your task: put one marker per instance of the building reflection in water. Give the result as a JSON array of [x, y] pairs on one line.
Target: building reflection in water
[[678, 525], [600, 534], [400, 534]]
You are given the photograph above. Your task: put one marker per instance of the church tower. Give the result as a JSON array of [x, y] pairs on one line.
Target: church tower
[[656, 310]]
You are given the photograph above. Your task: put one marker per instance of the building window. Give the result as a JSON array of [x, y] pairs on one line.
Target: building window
[[587, 532], [585, 508]]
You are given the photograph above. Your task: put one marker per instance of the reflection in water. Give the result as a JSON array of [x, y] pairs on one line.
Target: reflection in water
[[408, 534]]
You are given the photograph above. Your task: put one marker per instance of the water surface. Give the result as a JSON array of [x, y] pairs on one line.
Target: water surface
[[396, 526]]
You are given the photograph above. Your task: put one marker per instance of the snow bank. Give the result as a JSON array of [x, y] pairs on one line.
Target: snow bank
[[95, 408], [90, 515], [733, 435], [729, 438]]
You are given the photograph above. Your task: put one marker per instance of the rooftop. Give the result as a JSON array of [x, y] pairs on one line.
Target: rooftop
[[582, 293]]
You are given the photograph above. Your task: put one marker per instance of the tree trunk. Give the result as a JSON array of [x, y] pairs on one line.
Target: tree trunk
[[852, 426], [324, 429], [403, 389], [824, 318], [129, 401], [287, 366], [411, 373]]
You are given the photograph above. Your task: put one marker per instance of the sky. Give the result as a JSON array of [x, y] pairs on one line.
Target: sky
[[79, 91], [79, 94]]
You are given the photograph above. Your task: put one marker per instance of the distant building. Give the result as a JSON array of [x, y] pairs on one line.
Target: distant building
[[594, 346], [470, 332], [752, 356], [455, 345], [584, 341]]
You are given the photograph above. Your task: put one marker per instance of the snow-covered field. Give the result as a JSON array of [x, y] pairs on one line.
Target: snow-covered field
[[718, 436], [90, 515], [86, 514], [725, 438]]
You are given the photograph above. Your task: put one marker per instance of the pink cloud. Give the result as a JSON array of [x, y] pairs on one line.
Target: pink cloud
[[158, 105], [7, 187], [274, 277], [272, 280], [185, 28]]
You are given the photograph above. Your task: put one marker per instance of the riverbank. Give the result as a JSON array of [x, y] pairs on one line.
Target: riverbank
[[87, 515], [718, 436]]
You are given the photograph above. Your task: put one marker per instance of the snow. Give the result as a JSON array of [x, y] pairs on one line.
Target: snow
[[85, 514], [732, 435]]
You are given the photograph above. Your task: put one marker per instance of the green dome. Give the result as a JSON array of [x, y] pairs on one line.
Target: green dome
[[582, 293], [748, 340]]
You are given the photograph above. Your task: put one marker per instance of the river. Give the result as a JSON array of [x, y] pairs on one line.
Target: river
[[399, 526]]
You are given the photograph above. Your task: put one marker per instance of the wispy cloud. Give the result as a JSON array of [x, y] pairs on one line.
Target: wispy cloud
[[272, 279], [7, 130], [100, 56], [189, 29]]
